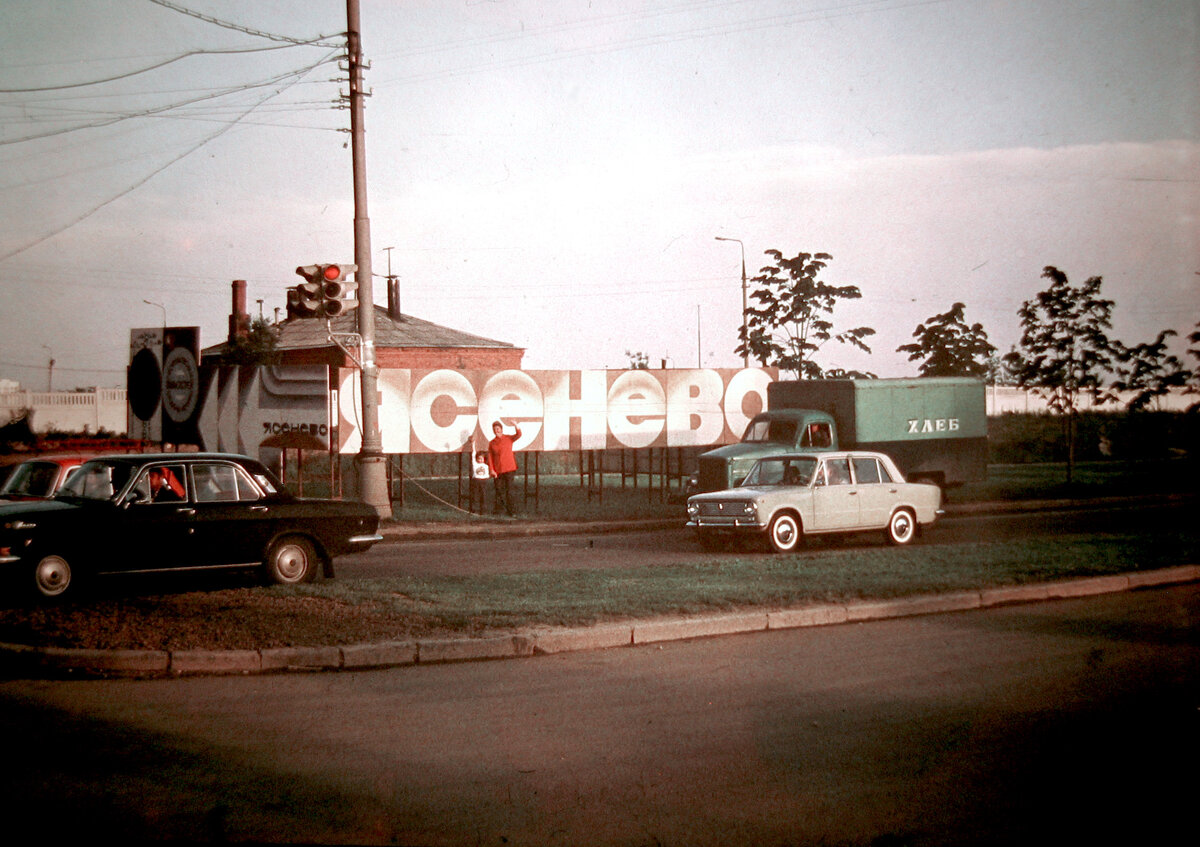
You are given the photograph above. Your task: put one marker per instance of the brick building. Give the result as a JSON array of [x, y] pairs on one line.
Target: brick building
[[401, 341]]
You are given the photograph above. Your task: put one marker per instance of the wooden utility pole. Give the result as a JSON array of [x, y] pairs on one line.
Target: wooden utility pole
[[372, 470]]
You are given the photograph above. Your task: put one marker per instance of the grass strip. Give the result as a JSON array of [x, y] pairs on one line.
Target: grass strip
[[483, 603]]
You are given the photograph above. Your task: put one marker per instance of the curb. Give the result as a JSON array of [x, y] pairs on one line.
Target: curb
[[21, 661]]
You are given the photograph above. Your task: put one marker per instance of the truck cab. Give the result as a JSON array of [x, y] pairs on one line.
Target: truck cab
[[784, 430]]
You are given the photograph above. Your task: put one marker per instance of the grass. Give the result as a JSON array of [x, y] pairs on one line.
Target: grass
[[484, 603]]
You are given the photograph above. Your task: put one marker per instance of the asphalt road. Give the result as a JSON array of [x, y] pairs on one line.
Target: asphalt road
[[1071, 722], [678, 546]]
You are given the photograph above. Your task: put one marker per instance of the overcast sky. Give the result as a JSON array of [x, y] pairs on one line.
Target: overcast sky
[[555, 174]]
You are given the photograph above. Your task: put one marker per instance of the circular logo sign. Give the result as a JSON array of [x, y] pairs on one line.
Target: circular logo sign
[[181, 384]]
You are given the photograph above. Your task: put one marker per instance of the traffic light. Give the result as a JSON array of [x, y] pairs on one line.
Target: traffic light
[[305, 299], [327, 291], [339, 292]]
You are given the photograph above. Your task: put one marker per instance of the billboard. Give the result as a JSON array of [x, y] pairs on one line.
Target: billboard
[[444, 411], [163, 384]]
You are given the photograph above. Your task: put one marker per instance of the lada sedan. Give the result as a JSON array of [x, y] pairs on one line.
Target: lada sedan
[[176, 511], [785, 497]]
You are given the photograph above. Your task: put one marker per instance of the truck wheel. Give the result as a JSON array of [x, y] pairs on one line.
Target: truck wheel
[[902, 528], [784, 534]]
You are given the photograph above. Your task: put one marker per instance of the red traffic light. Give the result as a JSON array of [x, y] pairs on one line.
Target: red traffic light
[[332, 272]]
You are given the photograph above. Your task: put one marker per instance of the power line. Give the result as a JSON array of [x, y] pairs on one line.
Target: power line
[[183, 10], [139, 71]]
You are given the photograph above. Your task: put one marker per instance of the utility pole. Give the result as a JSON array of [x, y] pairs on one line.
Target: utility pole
[[372, 472]]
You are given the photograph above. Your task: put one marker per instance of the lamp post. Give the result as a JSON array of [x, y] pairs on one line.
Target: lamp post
[[745, 306], [49, 370]]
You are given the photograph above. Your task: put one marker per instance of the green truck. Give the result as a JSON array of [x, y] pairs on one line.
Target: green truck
[[934, 428]]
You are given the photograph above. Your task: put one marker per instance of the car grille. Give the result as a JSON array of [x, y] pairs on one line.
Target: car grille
[[722, 508]]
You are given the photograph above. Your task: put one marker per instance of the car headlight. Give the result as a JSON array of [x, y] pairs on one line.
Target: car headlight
[[750, 509], [693, 509]]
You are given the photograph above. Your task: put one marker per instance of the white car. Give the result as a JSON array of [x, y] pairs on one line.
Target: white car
[[787, 496]]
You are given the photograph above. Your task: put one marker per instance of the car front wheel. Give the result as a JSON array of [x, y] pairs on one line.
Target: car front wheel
[[902, 528], [291, 561], [784, 534], [52, 576]]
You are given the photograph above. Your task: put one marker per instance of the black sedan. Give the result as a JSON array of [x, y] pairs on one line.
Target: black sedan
[[176, 511]]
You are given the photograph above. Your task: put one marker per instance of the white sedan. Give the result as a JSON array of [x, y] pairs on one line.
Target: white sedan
[[787, 496]]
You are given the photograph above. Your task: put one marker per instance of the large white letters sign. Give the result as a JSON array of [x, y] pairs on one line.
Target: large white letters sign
[[444, 411]]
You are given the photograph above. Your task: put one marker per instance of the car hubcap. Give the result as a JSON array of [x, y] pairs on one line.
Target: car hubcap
[[291, 562], [903, 526], [53, 575], [785, 533]]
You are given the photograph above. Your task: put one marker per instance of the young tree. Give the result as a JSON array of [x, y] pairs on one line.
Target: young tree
[[1064, 354], [1149, 371], [1193, 380], [793, 318], [638, 361], [257, 347], [949, 347]]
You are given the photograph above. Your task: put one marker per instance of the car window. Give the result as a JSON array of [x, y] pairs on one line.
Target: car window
[[97, 480], [161, 484], [222, 483], [837, 472], [866, 470], [32, 478]]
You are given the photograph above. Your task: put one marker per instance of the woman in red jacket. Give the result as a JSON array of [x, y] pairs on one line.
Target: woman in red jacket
[[503, 464]]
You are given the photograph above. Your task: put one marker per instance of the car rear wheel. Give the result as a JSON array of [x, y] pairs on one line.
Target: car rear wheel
[[292, 560], [52, 576], [902, 528], [784, 534]]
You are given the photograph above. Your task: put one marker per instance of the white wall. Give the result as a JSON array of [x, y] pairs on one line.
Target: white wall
[[68, 411]]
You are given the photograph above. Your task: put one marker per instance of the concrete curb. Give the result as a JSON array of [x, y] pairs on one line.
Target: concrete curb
[[18, 660]]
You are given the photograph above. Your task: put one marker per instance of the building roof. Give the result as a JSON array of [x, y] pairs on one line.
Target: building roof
[[406, 331]]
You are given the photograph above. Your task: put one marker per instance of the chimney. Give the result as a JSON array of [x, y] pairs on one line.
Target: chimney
[[239, 318], [393, 291]]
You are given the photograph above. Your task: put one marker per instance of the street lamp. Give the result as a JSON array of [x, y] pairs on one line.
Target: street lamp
[[49, 370], [745, 306], [164, 311]]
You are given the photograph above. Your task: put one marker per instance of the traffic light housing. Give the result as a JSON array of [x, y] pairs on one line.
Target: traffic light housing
[[327, 291]]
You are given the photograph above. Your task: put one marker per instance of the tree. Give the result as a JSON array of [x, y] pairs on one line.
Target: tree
[[1064, 354], [257, 347], [638, 360], [1193, 380], [793, 320], [950, 347], [1149, 371]]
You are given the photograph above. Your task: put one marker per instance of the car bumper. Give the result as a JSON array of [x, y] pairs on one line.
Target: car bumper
[[745, 523]]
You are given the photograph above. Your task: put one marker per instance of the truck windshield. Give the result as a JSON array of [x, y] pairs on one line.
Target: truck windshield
[[770, 432]]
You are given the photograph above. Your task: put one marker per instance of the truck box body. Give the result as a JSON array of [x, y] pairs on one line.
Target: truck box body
[[934, 428]]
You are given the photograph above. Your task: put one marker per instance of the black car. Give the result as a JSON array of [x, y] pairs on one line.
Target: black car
[[176, 511]]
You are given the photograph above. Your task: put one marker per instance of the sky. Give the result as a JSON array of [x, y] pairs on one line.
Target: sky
[[556, 174]]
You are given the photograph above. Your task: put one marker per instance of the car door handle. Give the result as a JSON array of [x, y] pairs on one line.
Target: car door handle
[[258, 508], [185, 511]]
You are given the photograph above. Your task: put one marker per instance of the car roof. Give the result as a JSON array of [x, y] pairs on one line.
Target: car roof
[[142, 458], [825, 454]]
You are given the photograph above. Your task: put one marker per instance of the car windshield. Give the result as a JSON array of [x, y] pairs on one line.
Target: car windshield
[[766, 431], [783, 471], [97, 480], [32, 478]]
